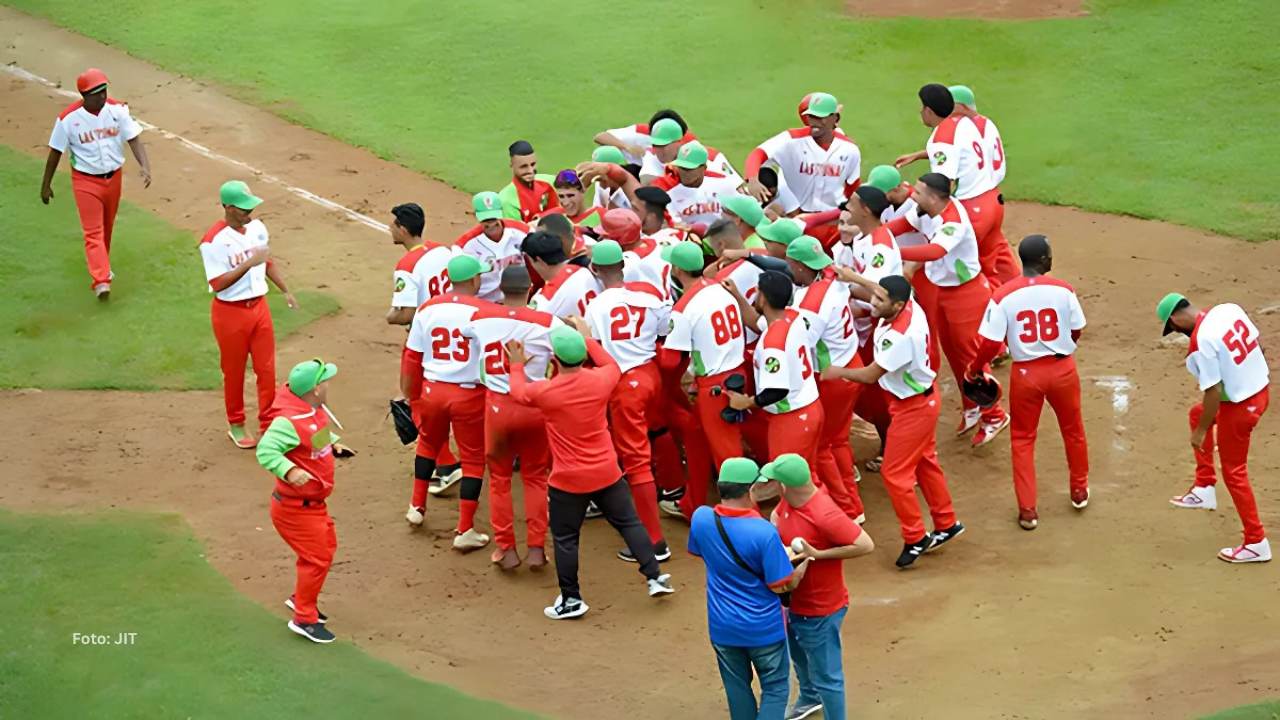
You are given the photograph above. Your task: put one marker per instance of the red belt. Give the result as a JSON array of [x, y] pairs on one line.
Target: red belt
[[296, 502]]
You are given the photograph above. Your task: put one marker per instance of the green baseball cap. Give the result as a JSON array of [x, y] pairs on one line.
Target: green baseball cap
[[822, 104], [487, 205], [236, 194], [608, 154], [665, 132], [568, 345], [462, 268], [606, 252], [962, 95], [789, 469], [782, 230], [807, 250], [739, 471], [691, 155], [884, 178], [745, 207], [1167, 306], [305, 376], [685, 255]]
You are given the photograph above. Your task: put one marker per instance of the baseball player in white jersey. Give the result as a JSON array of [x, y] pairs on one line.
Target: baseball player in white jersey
[[422, 272], [992, 143], [495, 241], [670, 136], [1225, 356], [695, 190], [634, 141], [1040, 319], [601, 195], [567, 288], [237, 266], [641, 256]]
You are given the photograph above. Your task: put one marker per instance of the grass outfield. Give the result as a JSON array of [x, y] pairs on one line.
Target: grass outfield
[[201, 650], [1264, 711], [153, 333], [1160, 110]]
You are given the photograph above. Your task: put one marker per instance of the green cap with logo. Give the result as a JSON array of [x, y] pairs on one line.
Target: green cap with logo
[[691, 155], [487, 205], [807, 250], [962, 95], [305, 376], [462, 268], [665, 132], [236, 194], [1167, 306], [685, 255], [745, 207], [606, 252], [884, 178], [782, 230], [739, 471], [789, 469], [568, 345], [822, 104], [608, 154]]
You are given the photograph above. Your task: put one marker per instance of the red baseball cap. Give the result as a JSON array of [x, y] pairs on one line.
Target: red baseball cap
[[90, 80]]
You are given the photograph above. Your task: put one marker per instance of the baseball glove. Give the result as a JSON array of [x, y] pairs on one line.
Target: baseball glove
[[402, 416], [983, 389]]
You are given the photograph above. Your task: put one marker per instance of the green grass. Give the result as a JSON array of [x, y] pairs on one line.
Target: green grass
[[153, 333], [1263, 711], [202, 650], [1156, 108]]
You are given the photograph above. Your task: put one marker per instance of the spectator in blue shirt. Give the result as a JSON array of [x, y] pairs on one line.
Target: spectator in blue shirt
[[747, 569]]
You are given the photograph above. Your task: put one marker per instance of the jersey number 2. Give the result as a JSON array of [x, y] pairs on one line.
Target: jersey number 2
[[442, 339], [622, 317], [1240, 341]]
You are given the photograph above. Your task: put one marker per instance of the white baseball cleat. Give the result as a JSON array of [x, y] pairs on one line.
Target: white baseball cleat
[[470, 540], [1251, 552], [989, 431], [102, 291], [968, 421], [860, 519], [1197, 498], [661, 585], [857, 476], [440, 485], [416, 515]]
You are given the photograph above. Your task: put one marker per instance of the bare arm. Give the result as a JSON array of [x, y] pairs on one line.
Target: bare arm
[[257, 256], [607, 138], [1212, 398], [277, 278], [794, 582], [400, 315], [46, 183], [140, 154], [862, 546], [868, 375], [910, 158]]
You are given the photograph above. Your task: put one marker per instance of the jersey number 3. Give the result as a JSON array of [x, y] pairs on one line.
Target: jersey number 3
[[1036, 326], [1240, 341]]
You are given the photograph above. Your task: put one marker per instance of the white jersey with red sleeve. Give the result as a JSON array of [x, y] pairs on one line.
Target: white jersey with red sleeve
[[717, 162], [440, 332], [876, 256], [223, 248], [568, 293], [706, 323], [902, 349], [633, 136], [993, 148], [671, 236], [494, 325], [953, 231], [1225, 349], [500, 254], [626, 320], [422, 274], [782, 362], [692, 205], [956, 150], [1035, 316], [642, 262], [908, 207], [824, 305], [95, 142], [818, 177]]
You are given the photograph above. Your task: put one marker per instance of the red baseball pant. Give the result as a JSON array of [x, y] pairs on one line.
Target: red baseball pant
[[724, 440], [244, 329], [797, 431], [911, 458], [1031, 383], [1234, 428], [443, 405], [97, 200], [835, 454], [986, 212], [513, 430], [309, 531], [629, 422], [926, 293], [959, 313]]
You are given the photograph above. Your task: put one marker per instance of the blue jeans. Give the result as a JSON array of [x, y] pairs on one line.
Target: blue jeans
[[770, 663], [815, 651]]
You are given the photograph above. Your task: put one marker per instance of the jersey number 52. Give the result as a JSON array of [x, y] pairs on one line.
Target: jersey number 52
[[1240, 341]]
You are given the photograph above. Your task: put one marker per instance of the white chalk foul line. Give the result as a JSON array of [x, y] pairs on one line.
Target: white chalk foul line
[[206, 152]]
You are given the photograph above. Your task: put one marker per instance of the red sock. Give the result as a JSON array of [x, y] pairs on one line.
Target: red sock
[[645, 497], [419, 493], [467, 514]]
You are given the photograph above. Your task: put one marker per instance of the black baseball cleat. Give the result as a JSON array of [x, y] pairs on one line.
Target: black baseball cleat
[[315, 632], [942, 537], [672, 495], [912, 551], [566, 608], [662, 551], [288, 602]]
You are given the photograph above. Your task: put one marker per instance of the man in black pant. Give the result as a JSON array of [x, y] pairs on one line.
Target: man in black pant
[[584, 464]]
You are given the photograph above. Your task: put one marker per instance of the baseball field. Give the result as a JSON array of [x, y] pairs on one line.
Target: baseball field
[[1139, 136]]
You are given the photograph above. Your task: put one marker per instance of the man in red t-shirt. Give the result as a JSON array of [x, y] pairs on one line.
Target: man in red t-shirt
[[815, 528], [584, 464]]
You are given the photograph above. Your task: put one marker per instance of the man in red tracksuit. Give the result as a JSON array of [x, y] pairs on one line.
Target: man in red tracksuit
[[298, 448], [1041, 319]]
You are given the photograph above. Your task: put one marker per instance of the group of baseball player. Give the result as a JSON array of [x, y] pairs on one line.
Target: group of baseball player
[[619, 330]]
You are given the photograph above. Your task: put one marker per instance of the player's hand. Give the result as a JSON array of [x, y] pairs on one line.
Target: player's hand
[[906, 159], [46, 194], [845, 274], [831, 372], [515, 352], [146, 176], [298, 477], [342, 451], [291, 301], [591, 171], [577, 323], [738, 401], [258, 255], [1197, 439], [735, 254], [757, 190], [910, 268], [732, 287], [634, 150], [808, 552]]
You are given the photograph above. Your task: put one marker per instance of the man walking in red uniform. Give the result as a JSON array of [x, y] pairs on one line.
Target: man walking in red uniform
[[1041, 319], [94, 130]]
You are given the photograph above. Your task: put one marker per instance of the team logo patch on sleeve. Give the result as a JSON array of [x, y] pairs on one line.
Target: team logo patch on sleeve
[[772, 365], [878, 260], [886, 344], [939, 157], [399, 284], [671, 326], [949, 230]]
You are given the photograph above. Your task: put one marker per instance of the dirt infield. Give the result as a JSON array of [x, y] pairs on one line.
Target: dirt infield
[[982, 9], [1119, 612]]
